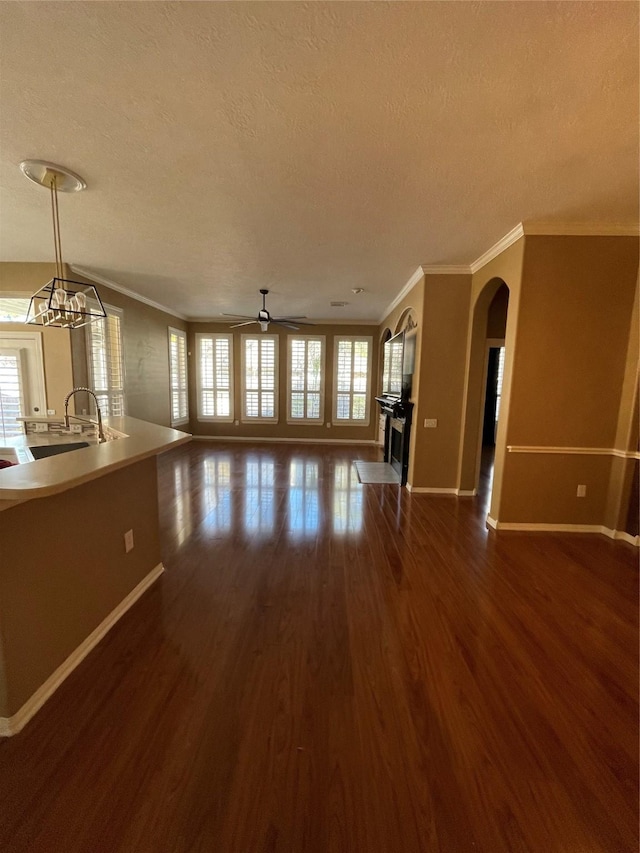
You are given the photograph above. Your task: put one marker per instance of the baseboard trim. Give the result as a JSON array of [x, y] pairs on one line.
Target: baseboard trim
[[12, 725], [260, 440], [428, 490], [531, 527], [623, 536]]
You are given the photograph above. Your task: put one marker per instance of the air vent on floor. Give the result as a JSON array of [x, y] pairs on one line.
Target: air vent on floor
[[338, 304]]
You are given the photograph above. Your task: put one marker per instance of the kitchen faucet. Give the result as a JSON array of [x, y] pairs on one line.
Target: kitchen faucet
[[101, 435]]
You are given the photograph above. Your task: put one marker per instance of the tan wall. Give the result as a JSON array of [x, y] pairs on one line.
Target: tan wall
[[281, 429], [442, 371], [541, 489], [73, 573], [497, 319], [146, 355], [27, 279], [569, 362], [414, 300]]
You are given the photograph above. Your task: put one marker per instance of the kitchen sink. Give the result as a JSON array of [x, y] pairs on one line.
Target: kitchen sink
[[42, 451]]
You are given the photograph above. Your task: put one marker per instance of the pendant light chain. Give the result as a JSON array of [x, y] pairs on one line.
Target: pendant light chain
[[57, 242]]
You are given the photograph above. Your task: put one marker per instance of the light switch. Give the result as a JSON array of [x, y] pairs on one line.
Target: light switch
[[128, 541], [430, 423]]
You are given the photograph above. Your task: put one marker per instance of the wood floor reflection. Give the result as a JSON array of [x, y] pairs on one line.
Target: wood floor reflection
[[326, 666]]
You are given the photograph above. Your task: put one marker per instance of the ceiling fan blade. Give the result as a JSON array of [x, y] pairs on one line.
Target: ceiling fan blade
[[244, 323], [239, 316], [286, 320], [294, 317], [285, 324]]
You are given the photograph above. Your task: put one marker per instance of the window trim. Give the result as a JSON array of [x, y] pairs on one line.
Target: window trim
[[113, 311], [247, 419], [368, 339], [181, 334], [323, 345], [221, 419]]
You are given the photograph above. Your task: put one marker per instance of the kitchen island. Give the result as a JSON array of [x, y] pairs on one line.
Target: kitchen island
[[65, 574]]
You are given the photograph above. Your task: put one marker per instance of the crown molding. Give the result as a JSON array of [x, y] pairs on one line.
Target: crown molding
[[555, 229], [415, 278], [581, 229], [446, 269], [508, 240], [107, 282]]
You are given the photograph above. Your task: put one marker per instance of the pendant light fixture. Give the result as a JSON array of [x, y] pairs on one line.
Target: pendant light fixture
[[61, 303]]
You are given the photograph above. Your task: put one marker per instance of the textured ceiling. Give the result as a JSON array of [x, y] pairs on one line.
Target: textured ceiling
[[310, 147]]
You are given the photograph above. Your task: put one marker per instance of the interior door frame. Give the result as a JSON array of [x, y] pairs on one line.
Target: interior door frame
[[36, 388]]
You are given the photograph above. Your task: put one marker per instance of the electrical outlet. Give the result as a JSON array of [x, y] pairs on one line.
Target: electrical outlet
[[581, 492], [430, 423], [75, 427], [42, 427], [51, 411], [328, 424], [236, 423], [128, 541]]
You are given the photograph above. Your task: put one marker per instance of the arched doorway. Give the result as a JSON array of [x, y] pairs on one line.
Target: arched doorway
[[485, 404], [496, 331]]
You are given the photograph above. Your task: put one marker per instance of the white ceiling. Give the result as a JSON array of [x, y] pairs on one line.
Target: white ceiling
[[310, 147]]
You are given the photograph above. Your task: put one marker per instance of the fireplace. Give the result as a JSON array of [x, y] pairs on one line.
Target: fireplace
[[397, 433]]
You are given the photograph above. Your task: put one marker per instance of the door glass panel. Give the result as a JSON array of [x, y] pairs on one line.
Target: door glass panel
[[11, 394]]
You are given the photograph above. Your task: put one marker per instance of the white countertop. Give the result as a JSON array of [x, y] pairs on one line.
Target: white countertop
[[56, 474]]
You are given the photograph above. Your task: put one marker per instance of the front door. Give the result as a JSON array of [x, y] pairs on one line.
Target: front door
[[22, 388]]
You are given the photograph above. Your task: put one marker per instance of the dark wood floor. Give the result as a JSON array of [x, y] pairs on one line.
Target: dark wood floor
[[326, 666]]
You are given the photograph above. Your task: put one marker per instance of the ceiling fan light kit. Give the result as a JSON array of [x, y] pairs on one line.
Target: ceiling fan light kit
[[61, 303], [264, 318]]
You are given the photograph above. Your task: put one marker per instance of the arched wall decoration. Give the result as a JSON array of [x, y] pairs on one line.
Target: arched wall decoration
[[406, 321]]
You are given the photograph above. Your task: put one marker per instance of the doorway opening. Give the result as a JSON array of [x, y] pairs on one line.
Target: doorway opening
[[22, 387], [491, 413], [494, 363]]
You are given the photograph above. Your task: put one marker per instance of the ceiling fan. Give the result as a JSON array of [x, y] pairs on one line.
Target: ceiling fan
[[264, 318]]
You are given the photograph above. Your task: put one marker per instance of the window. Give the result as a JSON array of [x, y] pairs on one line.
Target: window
[[106, 361], [13, 309], [215, 377], [178, 391], [306, 386], [260, 378], [352, 360]]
